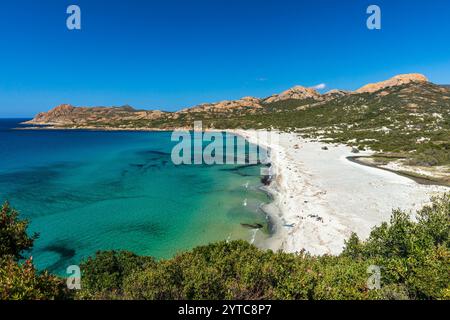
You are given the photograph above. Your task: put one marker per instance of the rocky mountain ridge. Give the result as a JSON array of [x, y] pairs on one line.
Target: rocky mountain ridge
[[66, 115]]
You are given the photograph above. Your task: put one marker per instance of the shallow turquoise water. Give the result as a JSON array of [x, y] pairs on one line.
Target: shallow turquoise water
[[86, 191]]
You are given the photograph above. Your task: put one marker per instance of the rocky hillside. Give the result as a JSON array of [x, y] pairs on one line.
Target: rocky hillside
[[297, 93], [393, 82], [68, 115]]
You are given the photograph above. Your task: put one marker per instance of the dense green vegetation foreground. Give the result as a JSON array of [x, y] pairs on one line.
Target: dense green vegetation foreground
[[414, 257]]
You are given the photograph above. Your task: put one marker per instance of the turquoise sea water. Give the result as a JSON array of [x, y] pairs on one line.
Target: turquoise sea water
[[85, 191]]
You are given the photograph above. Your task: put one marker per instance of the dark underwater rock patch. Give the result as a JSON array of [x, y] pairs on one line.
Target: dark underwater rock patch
[[65, 253], [148, 228], [252, 225]]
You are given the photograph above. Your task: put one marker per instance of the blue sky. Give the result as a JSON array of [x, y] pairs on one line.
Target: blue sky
[[170, 54]]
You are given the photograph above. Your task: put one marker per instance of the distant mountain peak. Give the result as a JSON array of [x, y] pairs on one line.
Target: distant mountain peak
[[296, 92], [63, 106], [394, 81]]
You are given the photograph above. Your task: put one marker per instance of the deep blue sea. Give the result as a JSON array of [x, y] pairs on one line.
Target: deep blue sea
[[85, 191]]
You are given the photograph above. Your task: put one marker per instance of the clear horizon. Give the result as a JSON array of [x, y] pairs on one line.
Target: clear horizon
[[172, 54]]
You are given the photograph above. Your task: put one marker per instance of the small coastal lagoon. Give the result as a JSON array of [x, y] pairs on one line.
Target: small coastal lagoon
[[85, 191]]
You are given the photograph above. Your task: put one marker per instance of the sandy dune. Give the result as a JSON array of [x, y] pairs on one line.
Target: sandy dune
[[321, 197]]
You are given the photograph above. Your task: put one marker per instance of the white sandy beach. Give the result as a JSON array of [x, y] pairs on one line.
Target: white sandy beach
[[321, 197]]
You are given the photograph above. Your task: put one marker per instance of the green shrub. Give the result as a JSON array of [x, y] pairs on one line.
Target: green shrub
[[23, 282], [104, 274], [13, 234]]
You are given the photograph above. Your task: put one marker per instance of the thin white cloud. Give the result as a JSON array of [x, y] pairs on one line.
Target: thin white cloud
[[320, 86], [261, 79]]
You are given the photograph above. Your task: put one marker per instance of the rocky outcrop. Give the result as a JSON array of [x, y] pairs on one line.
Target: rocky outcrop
[[335, 93], [224, 106], [297, 92], [56, 115], [395, 81]]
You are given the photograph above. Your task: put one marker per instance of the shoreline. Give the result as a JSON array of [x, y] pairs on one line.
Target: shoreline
[[320, 196], [87, 128], [419, 180]]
